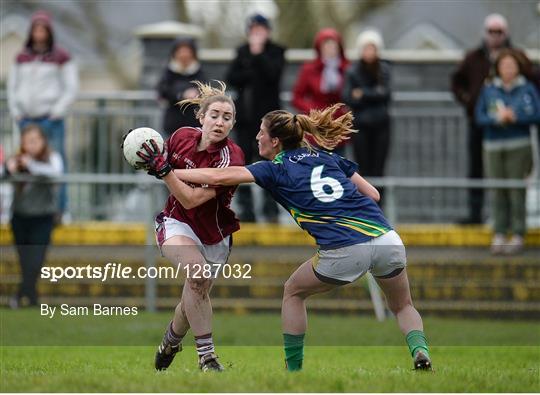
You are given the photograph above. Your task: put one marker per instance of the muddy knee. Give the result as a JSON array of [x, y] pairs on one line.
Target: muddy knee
[[200, 286]]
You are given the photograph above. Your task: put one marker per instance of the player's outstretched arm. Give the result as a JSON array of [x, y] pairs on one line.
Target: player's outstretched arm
[[232, 175], [365, 188]]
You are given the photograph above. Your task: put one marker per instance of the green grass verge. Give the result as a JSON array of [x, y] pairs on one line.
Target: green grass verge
[[343, 354]]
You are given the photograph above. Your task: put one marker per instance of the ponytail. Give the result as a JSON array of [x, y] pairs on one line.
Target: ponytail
[[327, 131], [320, 124]]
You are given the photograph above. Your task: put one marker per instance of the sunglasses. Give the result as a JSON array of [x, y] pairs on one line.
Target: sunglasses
[[497, 32]]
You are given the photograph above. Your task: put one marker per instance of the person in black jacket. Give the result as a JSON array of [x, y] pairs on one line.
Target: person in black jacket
[[255, 75], [175, 85], [367, 93]]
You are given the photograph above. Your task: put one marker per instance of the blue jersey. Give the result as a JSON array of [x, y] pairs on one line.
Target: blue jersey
[[315, 187]]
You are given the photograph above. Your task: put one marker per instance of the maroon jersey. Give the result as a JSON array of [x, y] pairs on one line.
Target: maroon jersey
[[213, 220]]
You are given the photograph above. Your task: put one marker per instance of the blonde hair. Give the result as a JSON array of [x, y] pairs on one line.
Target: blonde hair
[[326, 130], [208, 94]]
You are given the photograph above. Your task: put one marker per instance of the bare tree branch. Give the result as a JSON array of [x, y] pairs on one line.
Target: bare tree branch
[[101, 40], [68, 18], [361, 9], [299, 20]]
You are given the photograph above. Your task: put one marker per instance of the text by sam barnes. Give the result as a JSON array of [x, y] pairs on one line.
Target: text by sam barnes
[[97, 310]]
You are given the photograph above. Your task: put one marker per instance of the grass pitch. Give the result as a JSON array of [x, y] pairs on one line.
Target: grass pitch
[[468, 356]]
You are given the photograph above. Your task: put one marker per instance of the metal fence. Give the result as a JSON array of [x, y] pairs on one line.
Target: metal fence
[[150, 201], [428, 143]]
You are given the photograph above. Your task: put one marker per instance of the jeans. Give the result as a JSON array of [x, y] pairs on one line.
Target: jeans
[[54, 130]]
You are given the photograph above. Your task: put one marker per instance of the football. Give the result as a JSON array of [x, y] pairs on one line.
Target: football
[[134, 141]]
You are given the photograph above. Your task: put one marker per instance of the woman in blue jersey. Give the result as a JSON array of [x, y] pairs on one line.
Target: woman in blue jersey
[[333, 203]]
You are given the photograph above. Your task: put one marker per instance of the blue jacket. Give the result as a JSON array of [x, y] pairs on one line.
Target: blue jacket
[[524, 100]]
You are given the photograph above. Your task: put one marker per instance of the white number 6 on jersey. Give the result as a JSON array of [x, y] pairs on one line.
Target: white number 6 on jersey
[[318, 183]]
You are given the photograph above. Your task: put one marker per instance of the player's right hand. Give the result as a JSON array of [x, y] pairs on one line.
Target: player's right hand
[[153, 160]]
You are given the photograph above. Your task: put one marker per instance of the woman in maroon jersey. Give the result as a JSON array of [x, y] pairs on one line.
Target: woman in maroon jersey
[[194, 229]]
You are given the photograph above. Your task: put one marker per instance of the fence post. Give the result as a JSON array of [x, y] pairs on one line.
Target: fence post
[[102, 155], [150, 286], [376, 298]]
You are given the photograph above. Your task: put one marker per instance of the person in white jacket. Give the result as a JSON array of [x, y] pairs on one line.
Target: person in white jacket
[[42, 84]]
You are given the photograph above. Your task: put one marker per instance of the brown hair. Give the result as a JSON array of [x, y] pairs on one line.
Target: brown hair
[[43, 156], [326, 130], [515, 55], [208, 95], [50, 39]]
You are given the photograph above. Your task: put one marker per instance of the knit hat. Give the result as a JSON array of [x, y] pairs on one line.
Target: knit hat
[[258, 19], [369, 37], [185, 41], [496, 20], [42, 17]]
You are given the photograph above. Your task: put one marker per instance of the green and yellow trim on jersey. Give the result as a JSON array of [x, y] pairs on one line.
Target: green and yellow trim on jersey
[[364, 226], [278, 159]]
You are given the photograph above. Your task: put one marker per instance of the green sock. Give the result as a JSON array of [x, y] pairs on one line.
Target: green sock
[[417, 340], [294, 351]]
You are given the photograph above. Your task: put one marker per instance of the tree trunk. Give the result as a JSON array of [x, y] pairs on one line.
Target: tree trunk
[[296, 23], [181, 11]]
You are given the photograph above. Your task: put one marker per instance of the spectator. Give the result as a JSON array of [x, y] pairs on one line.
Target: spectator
[[367, 93], [320, 82], [42, 85], [255, 74], [33, 208], [506, 110], [467, 81], [176, 85]]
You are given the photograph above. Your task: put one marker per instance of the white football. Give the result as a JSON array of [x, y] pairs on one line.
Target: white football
[[134, 141]]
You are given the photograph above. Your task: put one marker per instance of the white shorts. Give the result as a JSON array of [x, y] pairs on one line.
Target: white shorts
[[382, 256], [167, 227]]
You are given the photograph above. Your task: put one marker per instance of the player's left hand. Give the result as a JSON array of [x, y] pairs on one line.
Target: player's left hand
[[153, 160]]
